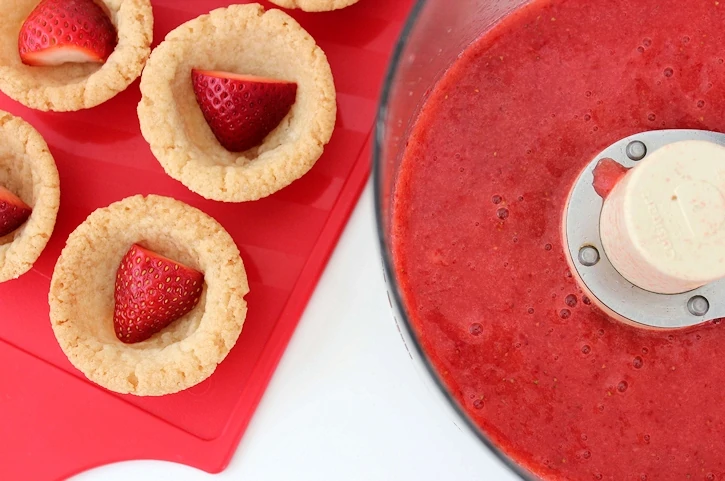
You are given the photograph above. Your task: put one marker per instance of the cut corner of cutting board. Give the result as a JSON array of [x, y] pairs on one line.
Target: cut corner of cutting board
[[87, 426]]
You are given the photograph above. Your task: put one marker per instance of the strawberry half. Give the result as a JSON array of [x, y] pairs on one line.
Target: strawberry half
[[152, 291], [13, 212], [60, 31], [242, 110]]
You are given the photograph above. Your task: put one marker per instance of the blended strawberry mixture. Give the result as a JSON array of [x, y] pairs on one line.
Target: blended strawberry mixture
[[563, 389]]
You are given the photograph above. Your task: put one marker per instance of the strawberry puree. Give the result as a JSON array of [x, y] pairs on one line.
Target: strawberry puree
[[563, 389]]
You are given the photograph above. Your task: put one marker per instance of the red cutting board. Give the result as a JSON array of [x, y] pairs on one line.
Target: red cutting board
[[53, 422]]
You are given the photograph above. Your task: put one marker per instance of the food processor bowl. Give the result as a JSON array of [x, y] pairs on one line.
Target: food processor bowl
[[559, 174]]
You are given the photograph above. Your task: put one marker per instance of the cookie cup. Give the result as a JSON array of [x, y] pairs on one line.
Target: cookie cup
[[70, 86], [28, 170], [82, 297], [315, 5], [242, 39]]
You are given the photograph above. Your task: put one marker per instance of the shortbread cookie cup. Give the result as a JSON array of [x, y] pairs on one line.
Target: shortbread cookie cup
[[242, 39], [71, 87], [315, 5], [28, 170], [82, 297]]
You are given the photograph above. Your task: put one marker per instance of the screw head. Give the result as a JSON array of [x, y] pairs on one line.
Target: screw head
[[636, 150], [698, 306], [588, 256]]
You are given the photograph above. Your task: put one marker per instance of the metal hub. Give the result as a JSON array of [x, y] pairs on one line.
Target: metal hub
[[590, 261]]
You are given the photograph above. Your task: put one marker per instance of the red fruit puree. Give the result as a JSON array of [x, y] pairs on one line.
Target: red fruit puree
[[565, 390]]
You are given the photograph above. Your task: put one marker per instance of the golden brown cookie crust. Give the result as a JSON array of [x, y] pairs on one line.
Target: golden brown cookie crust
[[242, 39], [72, 87], [315, 5], [28, 170], [82, 288]]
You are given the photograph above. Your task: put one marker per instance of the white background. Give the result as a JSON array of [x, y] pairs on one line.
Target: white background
[[347, 402]]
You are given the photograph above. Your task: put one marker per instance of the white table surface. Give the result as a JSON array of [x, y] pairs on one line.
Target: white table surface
[[347, 402]]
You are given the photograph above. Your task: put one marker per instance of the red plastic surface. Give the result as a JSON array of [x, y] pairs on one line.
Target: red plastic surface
[[53, 422]]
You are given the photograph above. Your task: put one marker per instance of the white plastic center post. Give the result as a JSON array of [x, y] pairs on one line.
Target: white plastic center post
[[663, 224]]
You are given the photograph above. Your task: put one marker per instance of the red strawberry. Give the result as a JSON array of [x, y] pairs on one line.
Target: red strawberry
[[60, 31], [151, 293], [13, 212], [242, 109]]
